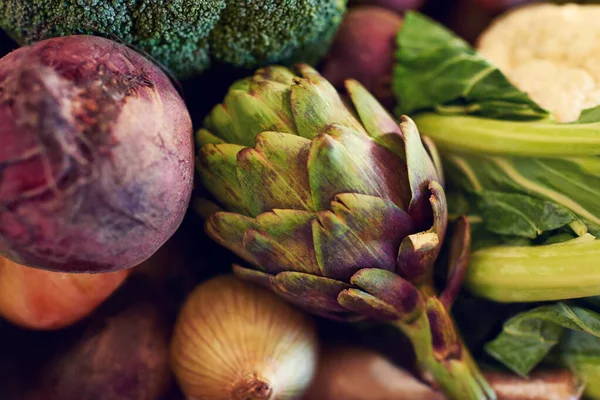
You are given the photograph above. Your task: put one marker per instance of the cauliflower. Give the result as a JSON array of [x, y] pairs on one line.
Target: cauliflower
[[186, 36], [552, 53]]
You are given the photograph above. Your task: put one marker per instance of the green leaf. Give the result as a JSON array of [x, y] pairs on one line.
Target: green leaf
[[589, 115], [527, 338], [525, 195], [435, 69], [521, 215]]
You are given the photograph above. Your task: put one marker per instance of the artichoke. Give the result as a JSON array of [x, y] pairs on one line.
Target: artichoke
[[337, 208]]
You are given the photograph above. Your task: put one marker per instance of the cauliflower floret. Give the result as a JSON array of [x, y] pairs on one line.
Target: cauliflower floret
[[552, 53]]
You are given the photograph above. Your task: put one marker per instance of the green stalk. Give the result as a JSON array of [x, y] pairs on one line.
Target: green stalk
[[536, 273], [457, 373], [475, 135]]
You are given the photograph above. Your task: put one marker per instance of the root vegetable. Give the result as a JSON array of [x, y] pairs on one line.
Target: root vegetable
[[121, 356], [38, 299], [237, 341], [357, 374], [96, 161], [363, 49], [543, 385]]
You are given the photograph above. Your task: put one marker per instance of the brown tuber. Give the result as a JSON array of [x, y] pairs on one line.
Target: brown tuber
[[357, 374], [542, 385], [122, 355], [96, 156], [363, 49]]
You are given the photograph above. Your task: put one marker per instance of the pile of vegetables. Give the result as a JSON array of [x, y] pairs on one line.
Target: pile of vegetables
[[374, 208]]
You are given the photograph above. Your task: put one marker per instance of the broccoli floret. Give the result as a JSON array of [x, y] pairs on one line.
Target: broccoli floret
[[187, 35], [173, 32], [258, 32]]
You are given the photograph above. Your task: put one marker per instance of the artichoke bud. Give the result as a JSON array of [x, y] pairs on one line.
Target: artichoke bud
[[337, 208], [319, 188]]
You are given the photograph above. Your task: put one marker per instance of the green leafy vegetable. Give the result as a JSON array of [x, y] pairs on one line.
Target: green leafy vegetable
[[437, 69], [528, 196], [528, 337], [521, 215], [529, 182]]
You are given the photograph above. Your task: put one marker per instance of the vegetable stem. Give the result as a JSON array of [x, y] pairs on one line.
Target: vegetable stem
[[540, 273], [456, 372], [476, 135]]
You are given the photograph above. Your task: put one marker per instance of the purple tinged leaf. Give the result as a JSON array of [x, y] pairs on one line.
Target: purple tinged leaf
[[376, 119], [360, 231], [460, 249], [282, 241], [365, 304], [440, 210], [316, 105], [252, 275], [265, 108], [338, 249], [383, 168], [332, 170], [418, 252], [380, 125], [343, 161], [446, 343], [315, 293], [393, 290], [228, 229], [217, 167], [416, 256], [275, 73], [274, 175], [289, 155], [204, 137], [435, 157], [219, 122], [421, 171]]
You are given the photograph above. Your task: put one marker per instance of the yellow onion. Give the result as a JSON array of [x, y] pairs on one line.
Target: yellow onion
[[237, 341], [40, 299]]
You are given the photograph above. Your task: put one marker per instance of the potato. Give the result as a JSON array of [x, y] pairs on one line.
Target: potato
[[121, 355]]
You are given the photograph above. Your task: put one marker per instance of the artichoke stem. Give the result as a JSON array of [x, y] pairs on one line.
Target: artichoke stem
[[252, 388], [456, 373]]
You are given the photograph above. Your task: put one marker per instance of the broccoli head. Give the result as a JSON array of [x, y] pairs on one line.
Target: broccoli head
[[254, 33], [185, 36]]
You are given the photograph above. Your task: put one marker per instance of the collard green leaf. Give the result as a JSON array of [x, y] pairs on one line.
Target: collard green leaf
[[522, 350], [521, 215], [529, 197], [435, 69], [528, 337]]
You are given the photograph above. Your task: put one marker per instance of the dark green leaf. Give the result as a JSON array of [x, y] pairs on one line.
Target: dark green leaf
[[528, 337], [522, 351], [520, 215], [569, 188], [435, 69]]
